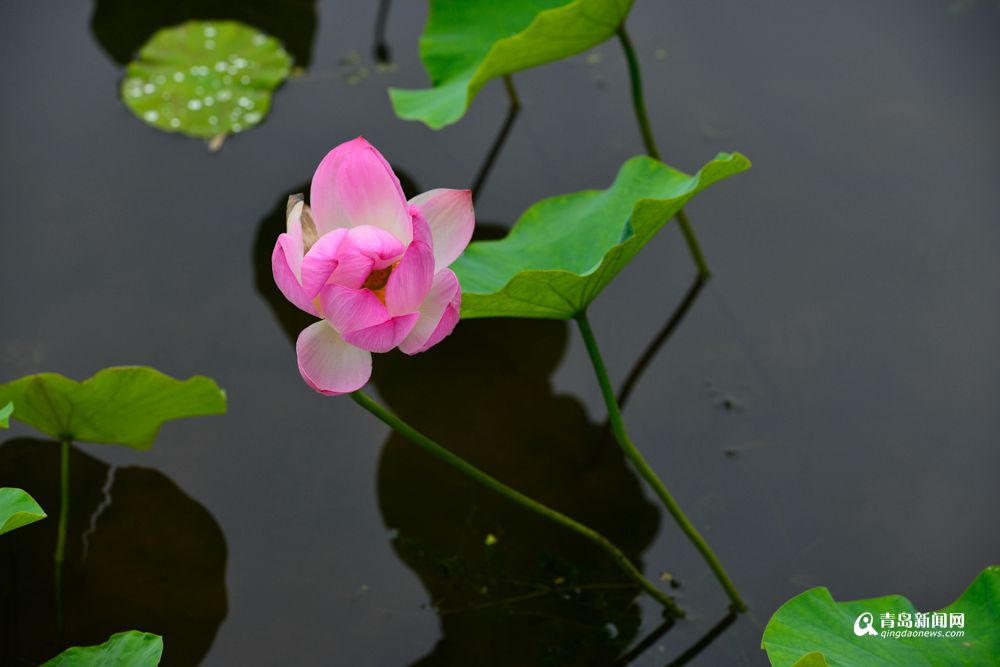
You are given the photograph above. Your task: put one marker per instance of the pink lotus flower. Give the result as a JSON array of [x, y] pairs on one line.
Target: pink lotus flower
[[371, 264]]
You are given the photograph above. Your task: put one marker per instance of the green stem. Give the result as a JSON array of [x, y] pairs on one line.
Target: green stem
[[693, 246], [639, 102], [515, 101], [633, 455], [60, 554], [638, 99], [475, 473]]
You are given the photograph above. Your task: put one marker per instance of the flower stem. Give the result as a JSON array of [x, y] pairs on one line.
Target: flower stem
[[475, 473], [633, 455], [639, 102]]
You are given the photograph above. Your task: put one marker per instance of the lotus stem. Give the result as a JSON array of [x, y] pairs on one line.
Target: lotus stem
[[639, 103], [638, 98], [60, 553], [475, 473], [693, 246], [644, 469], [508, 84]]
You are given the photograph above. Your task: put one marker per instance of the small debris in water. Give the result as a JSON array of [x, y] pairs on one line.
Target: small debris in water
[[669, 578], [357, 76], [352, 58], [723, 400], [736, 450], [215, 143]]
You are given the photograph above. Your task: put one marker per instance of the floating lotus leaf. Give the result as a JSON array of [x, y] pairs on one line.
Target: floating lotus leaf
[[205, 78]]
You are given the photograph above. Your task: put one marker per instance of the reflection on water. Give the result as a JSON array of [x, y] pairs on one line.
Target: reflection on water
[[509, 586], [479, 182], [661, 338], [382, 52], [123, 26], [140, 554]]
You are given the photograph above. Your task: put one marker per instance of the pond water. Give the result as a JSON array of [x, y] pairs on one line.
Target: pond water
[[825, 411]]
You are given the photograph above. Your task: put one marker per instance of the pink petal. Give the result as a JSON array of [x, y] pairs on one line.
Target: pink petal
[[321, 261], [421, 230], [351, 309], [450, 318], [439, 314], [353, 186], [294, 247], [284, 274], [410, 281], [365, 249], [385, 336], [329, 364], [451, 218]]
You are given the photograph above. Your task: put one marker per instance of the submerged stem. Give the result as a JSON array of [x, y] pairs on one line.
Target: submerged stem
[[475, 473], [647, 473], [639, 103]]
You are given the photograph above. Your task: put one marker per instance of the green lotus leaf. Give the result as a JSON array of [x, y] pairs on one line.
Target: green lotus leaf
[[564, 250], [465, 44], [813, 630], [125, 649], [205, 78], [123, 406], [17, 509], [5, 413]]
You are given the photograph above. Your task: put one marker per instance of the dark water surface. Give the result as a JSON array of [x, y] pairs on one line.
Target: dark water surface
[[826, 412]]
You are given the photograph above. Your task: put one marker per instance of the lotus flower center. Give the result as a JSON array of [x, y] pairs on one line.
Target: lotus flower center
[[377, 281]]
